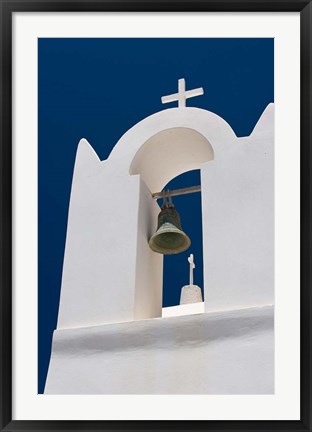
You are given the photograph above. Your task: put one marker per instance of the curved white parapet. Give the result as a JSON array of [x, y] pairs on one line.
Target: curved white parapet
[[214, 128], [187, 136]]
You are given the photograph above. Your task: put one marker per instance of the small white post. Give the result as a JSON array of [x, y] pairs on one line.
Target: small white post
[[192, 266], [181, 92], [191, 293]]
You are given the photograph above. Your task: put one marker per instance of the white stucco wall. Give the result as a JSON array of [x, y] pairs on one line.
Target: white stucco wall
[[218, 353], [238, 220], [100, 283], [149, 265]]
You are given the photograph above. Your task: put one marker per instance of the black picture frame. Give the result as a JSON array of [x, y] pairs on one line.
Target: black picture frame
[[7, 8]]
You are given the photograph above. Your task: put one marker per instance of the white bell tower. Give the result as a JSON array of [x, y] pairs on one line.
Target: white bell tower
[[112, 281]]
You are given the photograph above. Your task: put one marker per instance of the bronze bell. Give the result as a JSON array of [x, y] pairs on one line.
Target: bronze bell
[[169, 238]]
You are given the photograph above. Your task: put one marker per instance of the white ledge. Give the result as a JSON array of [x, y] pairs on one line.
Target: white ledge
[[229, 352], [184, 309], [187, 329]]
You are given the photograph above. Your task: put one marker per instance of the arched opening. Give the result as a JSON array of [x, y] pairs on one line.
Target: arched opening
[[172, 159], [169, 153], [176, 267]]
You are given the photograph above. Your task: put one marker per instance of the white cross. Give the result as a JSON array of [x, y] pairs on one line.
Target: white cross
[[192, 266], [182, 95]]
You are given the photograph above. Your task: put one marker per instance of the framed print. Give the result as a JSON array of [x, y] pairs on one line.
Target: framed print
[[155, 215]]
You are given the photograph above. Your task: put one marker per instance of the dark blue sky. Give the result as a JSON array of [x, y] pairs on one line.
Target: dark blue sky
[[99, 88]]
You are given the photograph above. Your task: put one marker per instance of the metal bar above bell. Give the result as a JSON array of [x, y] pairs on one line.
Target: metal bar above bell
[[176, 192]]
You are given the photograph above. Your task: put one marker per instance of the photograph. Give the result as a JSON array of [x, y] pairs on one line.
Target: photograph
[[156, 209]]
